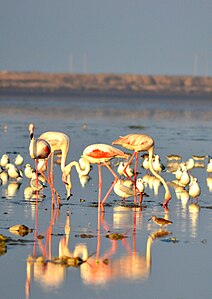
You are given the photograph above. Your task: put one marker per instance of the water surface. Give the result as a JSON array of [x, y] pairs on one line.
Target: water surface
[[174, 264]]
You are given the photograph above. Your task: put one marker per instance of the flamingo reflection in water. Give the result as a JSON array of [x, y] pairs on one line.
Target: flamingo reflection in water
[[102, 269], [50, 271], [46, 273]]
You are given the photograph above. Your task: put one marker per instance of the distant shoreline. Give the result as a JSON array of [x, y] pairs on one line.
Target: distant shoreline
[[10, 93], [102, 85]]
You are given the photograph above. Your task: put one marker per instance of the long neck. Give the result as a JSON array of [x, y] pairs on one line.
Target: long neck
[[151, 152], [31, 145], [64, 156], [67, 169], [67, 173]]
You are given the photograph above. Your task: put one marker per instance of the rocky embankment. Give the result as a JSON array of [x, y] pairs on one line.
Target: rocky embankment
[[67, 84]]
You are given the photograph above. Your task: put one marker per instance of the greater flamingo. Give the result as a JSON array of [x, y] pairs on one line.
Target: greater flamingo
[[82, 168], [58, 142], [40, 149], [138, 143], [98, 154]]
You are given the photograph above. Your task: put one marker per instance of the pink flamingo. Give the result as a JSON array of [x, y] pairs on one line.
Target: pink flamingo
[[138, 143], [98, 154], [40, 149], [58, 142]]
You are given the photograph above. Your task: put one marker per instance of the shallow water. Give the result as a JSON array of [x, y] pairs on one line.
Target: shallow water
[[171, 264]]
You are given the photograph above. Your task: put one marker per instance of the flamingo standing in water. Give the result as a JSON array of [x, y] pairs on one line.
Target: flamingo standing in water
[[40, 149], [82, 168], [98, 154], [138, 143], [58, 142]]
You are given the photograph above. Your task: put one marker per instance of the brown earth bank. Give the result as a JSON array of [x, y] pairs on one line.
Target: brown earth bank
[[67, 84]]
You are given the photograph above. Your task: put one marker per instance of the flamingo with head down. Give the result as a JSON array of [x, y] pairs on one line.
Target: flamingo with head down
[[96, 154], [59, 142], [41, 149], [139, 143]]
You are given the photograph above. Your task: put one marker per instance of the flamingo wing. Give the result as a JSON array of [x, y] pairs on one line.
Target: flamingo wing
[[136, 142], [97, 153]]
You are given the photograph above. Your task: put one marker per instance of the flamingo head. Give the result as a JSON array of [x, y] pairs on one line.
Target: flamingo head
[[31, 130]]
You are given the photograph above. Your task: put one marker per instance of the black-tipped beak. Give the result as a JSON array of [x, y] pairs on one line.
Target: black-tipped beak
[[68, 197]]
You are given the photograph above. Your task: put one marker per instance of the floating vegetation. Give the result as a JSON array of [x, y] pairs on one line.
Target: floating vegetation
[[93, 204], [64, 261], [40, 237], [10, 241], [20, 229], [84, 236], [3, 246], [115, 236]]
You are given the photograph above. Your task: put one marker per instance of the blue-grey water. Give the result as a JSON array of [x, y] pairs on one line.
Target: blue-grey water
[[145, 263]]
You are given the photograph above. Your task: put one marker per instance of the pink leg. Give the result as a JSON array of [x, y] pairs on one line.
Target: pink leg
[[135, 177], [111, 187], [36, 228], [136, 166], [141, 198], [107, 194], [52, 177], [128, 163], [135, 154], [52, 190], [100, 186], [134, 233], [98, 236]]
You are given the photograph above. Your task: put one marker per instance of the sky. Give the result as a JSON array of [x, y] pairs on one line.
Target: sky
[[150, 37]]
